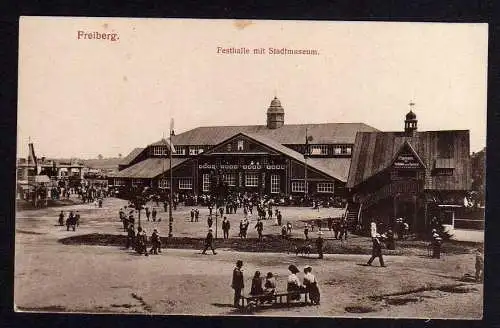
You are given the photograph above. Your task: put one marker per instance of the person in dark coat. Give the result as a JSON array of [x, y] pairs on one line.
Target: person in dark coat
[[153, 214], [260, 227], [390, 243], [221, 211], [70, 221], [192, 215], [256, 288], [141, 242], [148, 213], [225, 227], [130, 236], [209, 242], [376, 250], [436, 244], [306, 231], [77, 219], [155, 243], [237, 283], [61, 218], [210, 221], [279, 217], [196, 215], [284, 234], [319, 244]]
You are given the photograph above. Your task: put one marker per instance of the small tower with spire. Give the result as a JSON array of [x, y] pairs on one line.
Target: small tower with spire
[[411, 121], [275, 114]]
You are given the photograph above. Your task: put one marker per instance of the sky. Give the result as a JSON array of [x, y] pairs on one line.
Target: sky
[[84, 97]]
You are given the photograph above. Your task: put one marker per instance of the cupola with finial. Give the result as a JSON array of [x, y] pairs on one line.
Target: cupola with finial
[[275, 114], [411, 121]]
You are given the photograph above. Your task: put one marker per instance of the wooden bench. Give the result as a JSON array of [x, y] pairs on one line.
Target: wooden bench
[[251, 302]]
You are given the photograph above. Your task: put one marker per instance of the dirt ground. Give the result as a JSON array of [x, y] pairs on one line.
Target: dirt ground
[[51, 276]]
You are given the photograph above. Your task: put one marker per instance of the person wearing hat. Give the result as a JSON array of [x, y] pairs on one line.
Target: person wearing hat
[[141, 241], [130, 236], [269, 287], [237, 283], [376, 250], [306, 231], [436, 244], [155, 243], [209, 242], [319, 244], [293, 282], [311, 285]]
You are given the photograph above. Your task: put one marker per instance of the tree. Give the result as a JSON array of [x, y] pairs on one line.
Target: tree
[[138, 199]]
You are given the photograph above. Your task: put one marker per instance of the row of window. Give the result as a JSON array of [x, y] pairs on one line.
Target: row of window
[[323, 187], [323, 149], [240, 146], [159, 150], [251, 180]]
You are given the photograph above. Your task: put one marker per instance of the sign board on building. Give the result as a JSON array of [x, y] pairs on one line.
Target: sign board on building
[[407, 161]]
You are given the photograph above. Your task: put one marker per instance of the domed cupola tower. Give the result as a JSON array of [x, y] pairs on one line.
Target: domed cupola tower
[[411, 121], [275, 115]]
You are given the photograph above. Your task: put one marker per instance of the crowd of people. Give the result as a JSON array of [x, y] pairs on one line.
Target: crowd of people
[[72, 221]]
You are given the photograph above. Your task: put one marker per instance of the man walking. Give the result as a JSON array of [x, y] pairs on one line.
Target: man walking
[[279, 217], [155, 243], [306, 231], [319, 244], [225, 227], [237, 282], [260, 227], [130, 236], [77, 219], [376, 250], [61, 218], [148, 213], [209, 242], [153, 214]]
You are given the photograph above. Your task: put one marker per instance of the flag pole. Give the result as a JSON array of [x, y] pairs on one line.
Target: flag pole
[[170, 219], [305, 168]]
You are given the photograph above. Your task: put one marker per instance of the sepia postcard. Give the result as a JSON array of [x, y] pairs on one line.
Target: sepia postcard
[[236, 167]]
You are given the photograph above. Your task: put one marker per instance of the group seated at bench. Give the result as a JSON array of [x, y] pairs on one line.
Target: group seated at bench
[[268, 295], [275, 298]]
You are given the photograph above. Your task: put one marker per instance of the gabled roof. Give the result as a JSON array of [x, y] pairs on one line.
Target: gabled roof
[[149, 168], [105, 163], [162, 142], [407, 145], [131, 156], [333, 171], [325, 133], [339, 166], [373, 152]]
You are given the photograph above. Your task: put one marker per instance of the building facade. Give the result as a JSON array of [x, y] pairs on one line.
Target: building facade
[[265, 159]]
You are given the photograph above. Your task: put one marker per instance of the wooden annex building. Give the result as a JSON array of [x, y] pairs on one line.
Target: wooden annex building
[[409, 174], [266, 159]]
